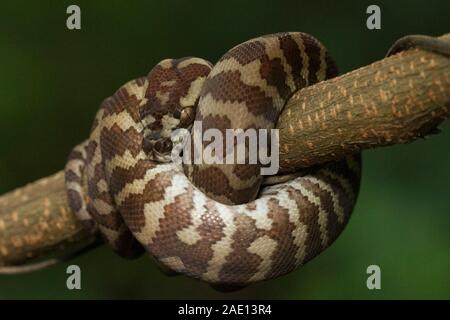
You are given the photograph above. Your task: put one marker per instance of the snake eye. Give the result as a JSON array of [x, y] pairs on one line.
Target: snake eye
[[186, 117], [163, 146]]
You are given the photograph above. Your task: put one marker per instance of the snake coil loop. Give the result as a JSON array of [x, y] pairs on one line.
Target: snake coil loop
[[211, 222]]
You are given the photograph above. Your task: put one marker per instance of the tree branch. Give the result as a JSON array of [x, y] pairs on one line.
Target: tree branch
[[36, 220], [394, 100]]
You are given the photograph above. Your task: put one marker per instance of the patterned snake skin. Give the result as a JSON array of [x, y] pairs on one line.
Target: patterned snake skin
[[212, 222]]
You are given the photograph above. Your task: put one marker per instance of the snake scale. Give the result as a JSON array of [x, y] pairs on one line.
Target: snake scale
[[215, 223]]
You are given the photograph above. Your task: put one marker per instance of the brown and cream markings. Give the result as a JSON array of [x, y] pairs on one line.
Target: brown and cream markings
[[212, 222]]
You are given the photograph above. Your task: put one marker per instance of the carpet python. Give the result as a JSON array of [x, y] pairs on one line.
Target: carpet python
[[215, 223]]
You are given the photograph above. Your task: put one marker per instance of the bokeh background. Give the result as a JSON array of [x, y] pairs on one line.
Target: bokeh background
[[53, 79]]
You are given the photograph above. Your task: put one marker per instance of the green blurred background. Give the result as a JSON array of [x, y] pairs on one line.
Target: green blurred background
[[52, 81]]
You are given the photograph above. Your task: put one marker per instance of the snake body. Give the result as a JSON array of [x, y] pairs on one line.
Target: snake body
[[210, 222]]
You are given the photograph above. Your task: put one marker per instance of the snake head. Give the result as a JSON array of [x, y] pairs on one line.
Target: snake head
[[170, 102], [158, 132]]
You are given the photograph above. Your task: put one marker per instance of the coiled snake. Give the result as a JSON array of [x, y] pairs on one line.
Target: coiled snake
[[139, 201]]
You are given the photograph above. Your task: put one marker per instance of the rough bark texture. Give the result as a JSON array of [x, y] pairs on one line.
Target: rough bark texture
[[395, 100], [35, 220]]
